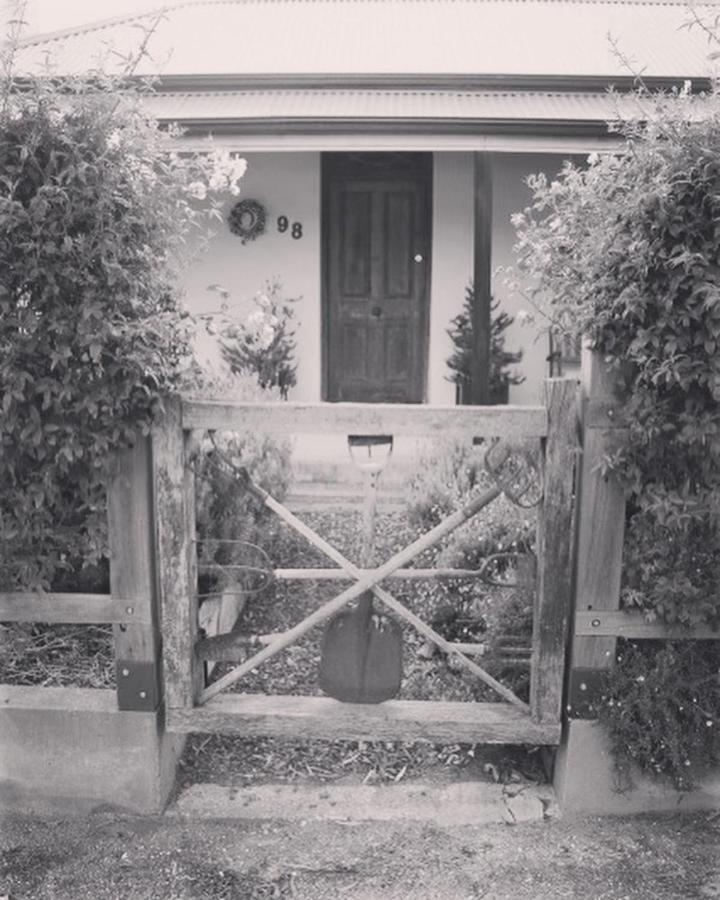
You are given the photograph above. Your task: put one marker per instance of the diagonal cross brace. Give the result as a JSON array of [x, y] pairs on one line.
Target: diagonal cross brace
[[368, 581]]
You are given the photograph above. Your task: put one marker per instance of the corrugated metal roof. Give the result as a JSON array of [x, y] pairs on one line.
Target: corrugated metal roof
[[521, 37], [398, 105]]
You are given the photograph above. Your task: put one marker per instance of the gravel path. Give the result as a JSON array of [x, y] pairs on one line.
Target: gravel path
[[112, 857]]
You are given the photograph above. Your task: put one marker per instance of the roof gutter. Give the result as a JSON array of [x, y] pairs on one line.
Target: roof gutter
[[395, 126], [450, 82]]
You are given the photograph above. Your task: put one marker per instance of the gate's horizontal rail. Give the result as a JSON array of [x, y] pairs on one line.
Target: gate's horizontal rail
[[367, 418], [70, 609], [300, 717], [633, 625], [400, 575]]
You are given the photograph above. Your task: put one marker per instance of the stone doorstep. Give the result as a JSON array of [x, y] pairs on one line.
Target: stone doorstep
[[307, 497], [460, 803]]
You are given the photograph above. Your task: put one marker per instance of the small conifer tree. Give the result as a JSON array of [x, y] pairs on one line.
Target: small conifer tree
[[460, 361]]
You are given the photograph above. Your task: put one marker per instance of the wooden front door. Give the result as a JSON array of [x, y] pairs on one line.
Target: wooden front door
[[376, 275]]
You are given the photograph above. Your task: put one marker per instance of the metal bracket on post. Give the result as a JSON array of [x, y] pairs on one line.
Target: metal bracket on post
[[138, 685], [584, 690]]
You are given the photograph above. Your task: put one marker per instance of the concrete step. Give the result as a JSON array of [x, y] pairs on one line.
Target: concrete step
[[457, 803], [346, 473], [318, 495]]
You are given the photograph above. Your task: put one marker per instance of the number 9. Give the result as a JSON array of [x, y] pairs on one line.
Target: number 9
[[282, 224]]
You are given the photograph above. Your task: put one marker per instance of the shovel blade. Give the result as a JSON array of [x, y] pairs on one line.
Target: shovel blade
[[361, 660]]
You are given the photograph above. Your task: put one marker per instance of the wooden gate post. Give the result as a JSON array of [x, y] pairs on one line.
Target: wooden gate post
[[134, 758], [553, 597], [177, 556], [583, 771], [600, 537], [131, 536]]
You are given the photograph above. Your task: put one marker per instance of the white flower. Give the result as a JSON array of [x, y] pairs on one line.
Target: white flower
[[593, 159], [266, 336], [263, 300], [113, 141], [197, 190], [255, 318], [525, 318]]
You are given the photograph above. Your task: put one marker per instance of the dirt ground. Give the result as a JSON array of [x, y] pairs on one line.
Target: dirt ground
[[108, 856]]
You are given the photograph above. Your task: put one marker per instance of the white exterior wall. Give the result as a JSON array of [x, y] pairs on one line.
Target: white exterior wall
[[286, 184], [512, 195], [289, 184], [452, 262]]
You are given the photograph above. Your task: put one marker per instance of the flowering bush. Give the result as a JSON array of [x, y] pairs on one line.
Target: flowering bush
[[263, 345], [627, 250], [97, 208]]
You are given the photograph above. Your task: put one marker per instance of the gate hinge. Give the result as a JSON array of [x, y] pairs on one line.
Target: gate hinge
[[138, 685], [585, 688]]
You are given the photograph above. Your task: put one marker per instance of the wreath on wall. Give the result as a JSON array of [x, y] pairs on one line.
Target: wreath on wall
[[247, 219]]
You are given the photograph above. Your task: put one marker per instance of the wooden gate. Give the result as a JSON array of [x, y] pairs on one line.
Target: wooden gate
[[192, 707]]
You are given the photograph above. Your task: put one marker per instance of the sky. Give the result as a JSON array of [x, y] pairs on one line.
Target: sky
[[52, 15]]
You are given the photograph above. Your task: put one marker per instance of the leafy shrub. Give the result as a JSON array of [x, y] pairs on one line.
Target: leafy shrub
[[460, 362], [96, 211], [627, 251], [661, 705], [263, 345], [670, 577], [448, 473], [226, 513]]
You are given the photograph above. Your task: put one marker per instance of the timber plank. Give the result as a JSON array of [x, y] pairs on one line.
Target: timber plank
[[554, 584], [632, 624], [175, 514], [367, 418], [601, 525], [70, 609], [302, 717], [310, 574], [132, 574]]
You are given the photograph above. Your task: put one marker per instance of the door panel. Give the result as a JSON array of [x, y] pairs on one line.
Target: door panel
[[355, 252], [376, 223], [399, 254]]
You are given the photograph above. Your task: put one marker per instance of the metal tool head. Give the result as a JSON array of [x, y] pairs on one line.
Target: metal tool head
[[370, 452], [516, 471]]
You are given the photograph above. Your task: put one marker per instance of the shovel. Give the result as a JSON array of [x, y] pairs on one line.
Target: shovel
[[361, 654]]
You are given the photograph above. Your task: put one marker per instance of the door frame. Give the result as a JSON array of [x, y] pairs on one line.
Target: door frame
[[367, 164]]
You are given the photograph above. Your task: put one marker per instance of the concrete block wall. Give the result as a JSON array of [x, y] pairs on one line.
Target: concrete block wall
[[70, 750]]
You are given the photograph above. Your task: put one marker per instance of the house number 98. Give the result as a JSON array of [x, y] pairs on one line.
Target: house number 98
[[283, 223]]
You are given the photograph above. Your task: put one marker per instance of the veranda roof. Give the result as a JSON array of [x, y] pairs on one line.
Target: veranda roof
[[456, 110]]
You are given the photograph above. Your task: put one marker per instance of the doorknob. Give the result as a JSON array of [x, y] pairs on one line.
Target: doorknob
[[376, 311]]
